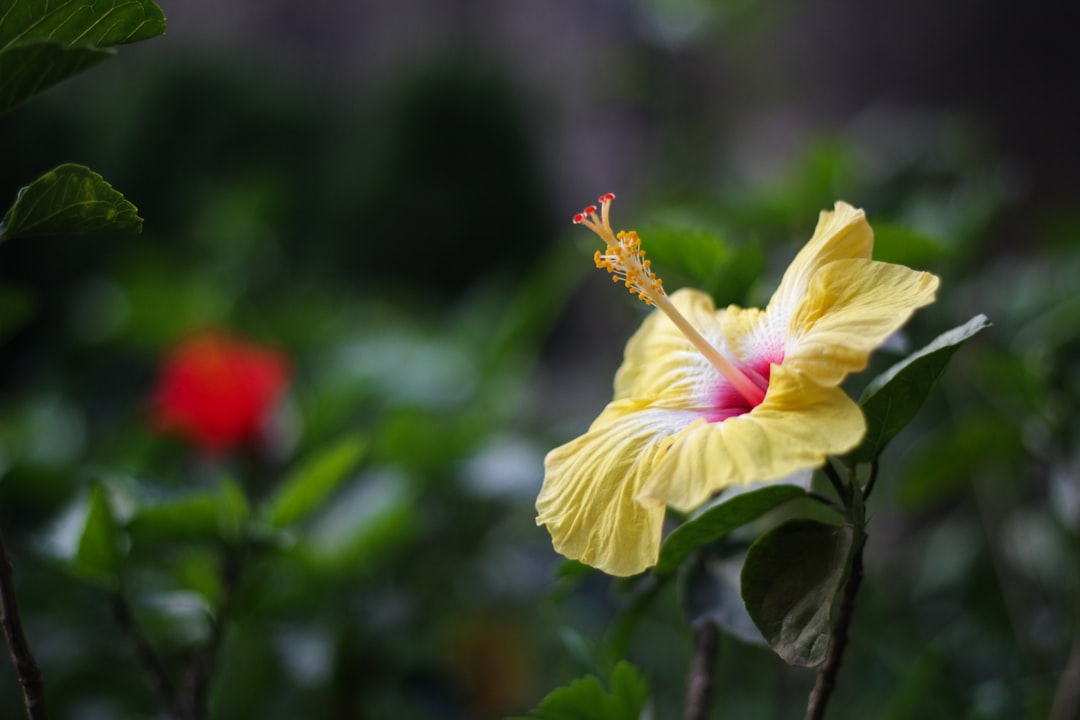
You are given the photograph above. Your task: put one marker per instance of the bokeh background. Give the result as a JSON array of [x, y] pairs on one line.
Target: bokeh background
[[381, 190]]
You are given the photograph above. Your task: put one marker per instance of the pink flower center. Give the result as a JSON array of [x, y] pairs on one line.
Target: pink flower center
[[729, 402]]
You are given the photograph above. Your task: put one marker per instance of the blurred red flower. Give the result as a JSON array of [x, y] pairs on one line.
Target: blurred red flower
[[218, 391]]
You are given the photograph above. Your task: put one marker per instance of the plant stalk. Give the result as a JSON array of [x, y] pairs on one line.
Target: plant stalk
[[702, 663], [26, 668], [203, 665], [151, 663], [826, 678]]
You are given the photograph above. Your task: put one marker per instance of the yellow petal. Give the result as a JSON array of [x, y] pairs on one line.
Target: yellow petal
[[661, 362], [588, 500], [841, 234], [755, 336], [796, 427], [850, 308]]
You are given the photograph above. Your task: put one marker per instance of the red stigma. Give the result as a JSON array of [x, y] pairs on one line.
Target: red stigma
[[607, 198], [589, 210], [579, 218]]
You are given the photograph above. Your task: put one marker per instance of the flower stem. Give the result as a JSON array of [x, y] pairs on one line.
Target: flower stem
[[33, 686], [826, 678], [205, 661], [189, 701], [869, 487], [699, 686], [148, 657], [843, 490]]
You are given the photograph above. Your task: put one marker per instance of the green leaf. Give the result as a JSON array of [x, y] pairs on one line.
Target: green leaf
[[97, 555], [892, 399], [42, 43], [79, 22], [791, 581], [191, 517], [586, 699], [27, 70], [69, 199], [719, 520], [311, 485]]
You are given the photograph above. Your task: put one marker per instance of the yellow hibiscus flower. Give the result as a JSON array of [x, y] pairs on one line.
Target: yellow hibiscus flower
[[711, 399]]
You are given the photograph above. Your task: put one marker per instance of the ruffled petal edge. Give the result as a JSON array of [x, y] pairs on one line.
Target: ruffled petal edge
[[850, 308], [589, 501], [841, 233], [797, 426]]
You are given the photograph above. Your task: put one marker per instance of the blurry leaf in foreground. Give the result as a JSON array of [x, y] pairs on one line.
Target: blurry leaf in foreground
[[308, 487], [586, 699], [69, 199], [791, 581], [372, 516], [199, 516], [42, 43], [892, 399], [719, 520], [178, 617], [97, 556]]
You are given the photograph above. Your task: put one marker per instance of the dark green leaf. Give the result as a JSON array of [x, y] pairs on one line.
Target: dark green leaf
[[892, 399], [308, 488], [710, 593], [719, 520], [26, 70], [69, 199], [97, 556], [586, 699], [41, 43], [791, 581], [191, 517], [79, 22]]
